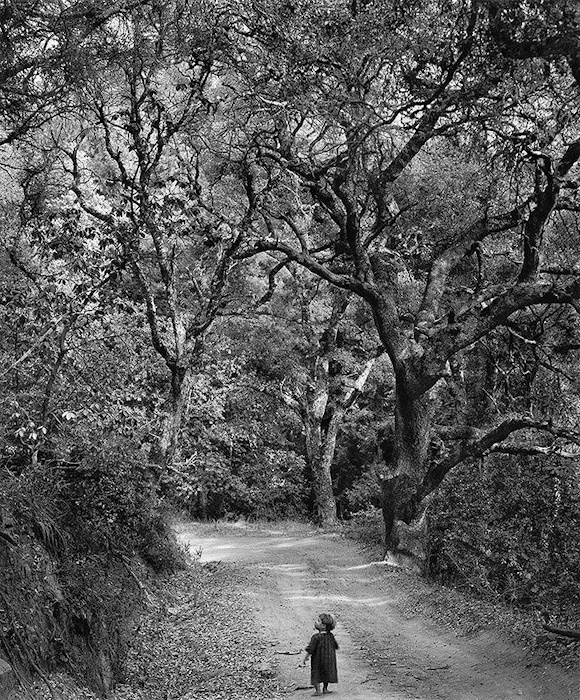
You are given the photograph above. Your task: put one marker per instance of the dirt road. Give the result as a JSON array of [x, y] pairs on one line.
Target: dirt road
[[384, 653]]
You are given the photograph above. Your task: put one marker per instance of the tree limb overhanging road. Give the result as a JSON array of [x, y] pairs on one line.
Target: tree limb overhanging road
[[386, 651]]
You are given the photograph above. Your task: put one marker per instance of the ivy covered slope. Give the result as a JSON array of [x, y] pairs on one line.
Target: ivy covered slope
[[284, 259]]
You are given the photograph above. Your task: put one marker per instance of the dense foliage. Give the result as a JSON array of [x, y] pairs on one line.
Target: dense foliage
[[513, 536], [78, 501]]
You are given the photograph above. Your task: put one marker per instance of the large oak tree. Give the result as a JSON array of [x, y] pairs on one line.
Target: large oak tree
[[431, 151]]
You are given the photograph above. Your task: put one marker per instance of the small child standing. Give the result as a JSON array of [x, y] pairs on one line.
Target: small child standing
[[322, 648]]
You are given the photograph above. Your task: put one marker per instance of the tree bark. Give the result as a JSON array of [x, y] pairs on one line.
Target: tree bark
[[327, 513], [168, 443], [325, 500], [320, 454], [322, 439], [403, 475]]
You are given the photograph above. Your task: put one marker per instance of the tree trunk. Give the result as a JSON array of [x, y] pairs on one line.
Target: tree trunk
[[322, 445], [172, 421], [404, 528], [324, 495], [326, 505], [320, 453]]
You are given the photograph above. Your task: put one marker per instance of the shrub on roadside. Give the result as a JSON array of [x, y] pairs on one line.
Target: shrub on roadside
[[513, 535], [367, 527], [268, 485], [83, 532], [112, 504], [365, 493]]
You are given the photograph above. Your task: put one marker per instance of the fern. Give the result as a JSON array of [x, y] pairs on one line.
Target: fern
[[49, 534]]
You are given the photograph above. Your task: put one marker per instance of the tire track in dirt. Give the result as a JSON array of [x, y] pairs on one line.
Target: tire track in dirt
[[384, 654]]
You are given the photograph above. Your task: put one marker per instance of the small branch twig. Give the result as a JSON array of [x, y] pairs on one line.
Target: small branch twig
[[572, 634]]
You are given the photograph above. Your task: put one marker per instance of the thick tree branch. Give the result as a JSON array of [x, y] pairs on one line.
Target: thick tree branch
[[272, 282], [488, 441], [151, 310], [444, 264], [569, 159], [422, 133], [354, 392], [76, 187], [564, 43], [533, 450], [219, 278], [547, 190], [572, 634], [308, 261], [477, 322]]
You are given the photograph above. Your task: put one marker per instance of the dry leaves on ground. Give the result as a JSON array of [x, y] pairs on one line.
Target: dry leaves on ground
[[196, 641], [200, 642]]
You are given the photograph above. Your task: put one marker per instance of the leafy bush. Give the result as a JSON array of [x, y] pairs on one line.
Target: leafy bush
[[113, 506], [79, 530], [513, 533], [367, 526], [267, 486], [365, 493]]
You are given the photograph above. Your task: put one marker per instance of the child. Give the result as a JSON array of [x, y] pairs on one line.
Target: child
[[322, 648]]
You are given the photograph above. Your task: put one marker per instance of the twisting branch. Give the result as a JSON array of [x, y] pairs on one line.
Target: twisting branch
[[572, 634], [152, 317], [307, 260], [423, 133], [533, 450], [448, 260], [569, 159], [354, 392], [488, 441], [478, 321], [565, 43], [218, 284], [546, 196], [104, 217], [272, 282]]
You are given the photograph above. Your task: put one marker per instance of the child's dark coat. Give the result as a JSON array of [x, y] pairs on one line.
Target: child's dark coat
[[322, 648]]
